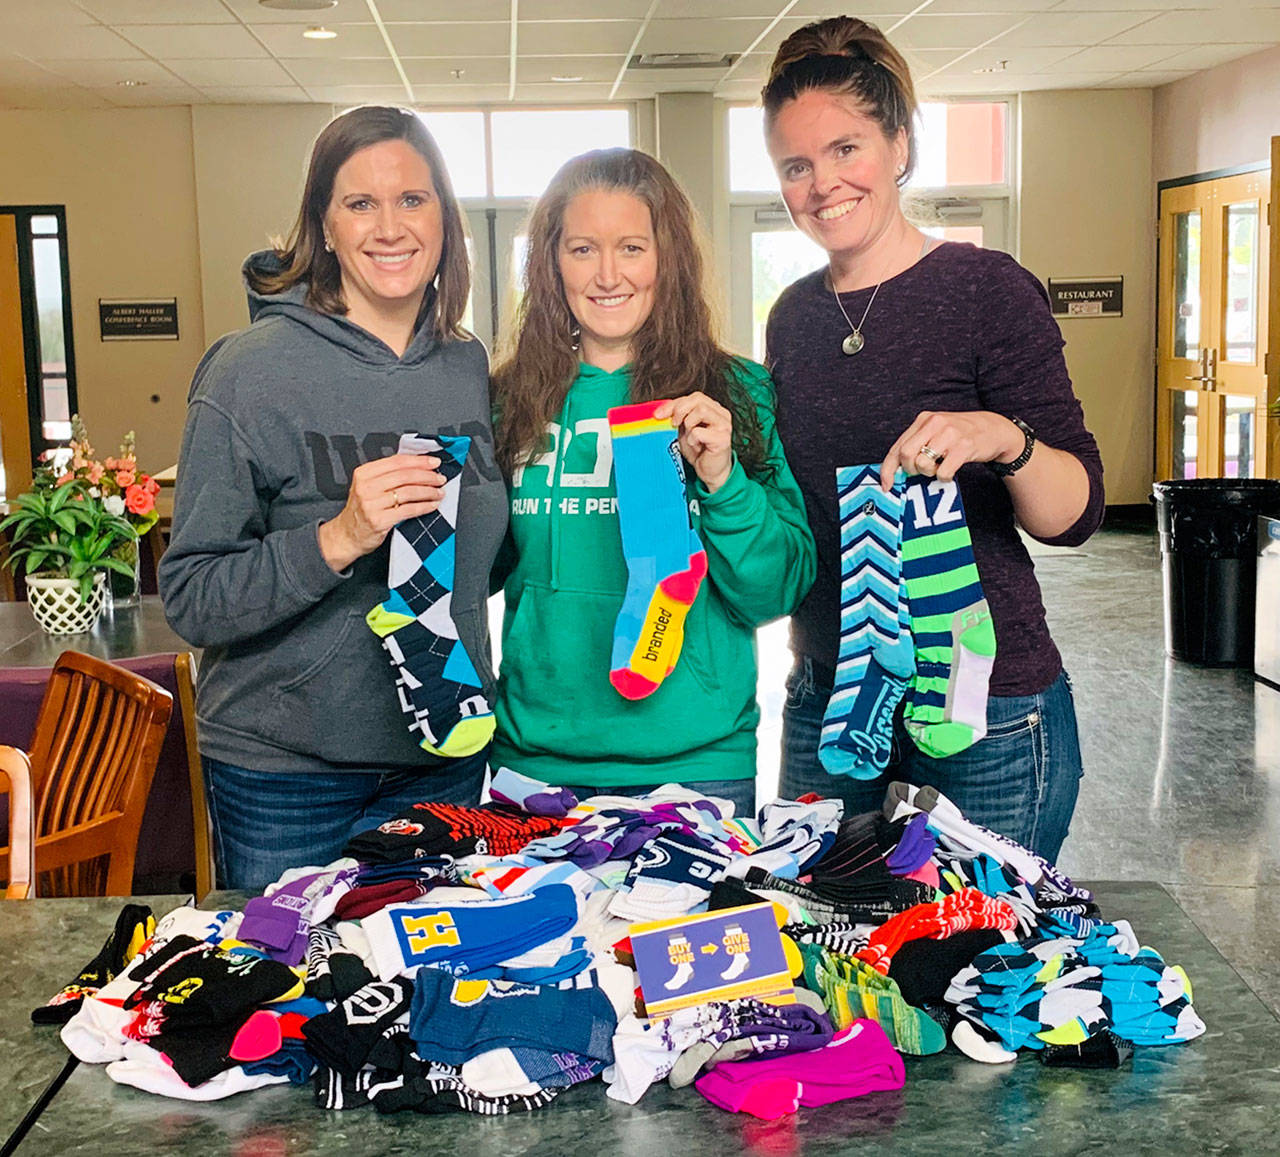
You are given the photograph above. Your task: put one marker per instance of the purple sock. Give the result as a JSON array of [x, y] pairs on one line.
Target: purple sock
[[531, 795], [914, 848]]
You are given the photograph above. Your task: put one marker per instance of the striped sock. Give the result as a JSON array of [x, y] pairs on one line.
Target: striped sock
[[955, 643], [665, 560], [875, 658]]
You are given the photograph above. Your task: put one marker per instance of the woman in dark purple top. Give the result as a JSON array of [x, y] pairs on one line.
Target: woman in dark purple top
[[936, 359]]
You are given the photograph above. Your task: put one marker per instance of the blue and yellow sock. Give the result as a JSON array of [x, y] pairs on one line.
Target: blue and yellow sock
[[665, 559]]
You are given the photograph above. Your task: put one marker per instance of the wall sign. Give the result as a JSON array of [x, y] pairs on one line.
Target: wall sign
[[1086, 296], [138, 319]]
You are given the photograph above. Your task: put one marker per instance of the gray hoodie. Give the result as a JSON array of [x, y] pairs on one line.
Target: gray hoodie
[[279, 415]]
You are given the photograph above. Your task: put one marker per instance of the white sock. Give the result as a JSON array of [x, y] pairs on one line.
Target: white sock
[[145, 1069], [975, 1046], [497, 1073]]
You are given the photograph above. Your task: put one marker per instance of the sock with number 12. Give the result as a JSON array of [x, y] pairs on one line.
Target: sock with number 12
[[665, 559], [955, 642]]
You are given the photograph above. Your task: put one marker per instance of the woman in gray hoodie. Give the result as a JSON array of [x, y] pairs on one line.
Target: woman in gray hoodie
[[290, 483]]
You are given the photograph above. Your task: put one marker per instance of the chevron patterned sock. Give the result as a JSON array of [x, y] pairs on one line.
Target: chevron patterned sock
[[435, 678], [955, 643], [665, 559], [876, 657]]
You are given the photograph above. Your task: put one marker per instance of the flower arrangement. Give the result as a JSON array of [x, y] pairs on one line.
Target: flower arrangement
[[125, 491]]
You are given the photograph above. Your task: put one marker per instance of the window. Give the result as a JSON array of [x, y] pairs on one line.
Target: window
[[460, 136]]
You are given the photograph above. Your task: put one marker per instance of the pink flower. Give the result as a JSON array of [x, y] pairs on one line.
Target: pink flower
[[138, 501], [96, 471], [124, 479], [63, 479]]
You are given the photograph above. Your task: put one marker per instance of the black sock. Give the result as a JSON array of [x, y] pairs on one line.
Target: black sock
[[134, 925], [344, 1038]]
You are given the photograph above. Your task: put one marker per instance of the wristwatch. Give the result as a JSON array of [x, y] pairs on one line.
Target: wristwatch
[[1004, 469]]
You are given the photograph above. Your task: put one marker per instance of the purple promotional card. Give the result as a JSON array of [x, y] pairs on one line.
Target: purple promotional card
[[721, 955]]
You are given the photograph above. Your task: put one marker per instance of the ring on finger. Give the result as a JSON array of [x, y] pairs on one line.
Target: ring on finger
[[395, 497], [929, 452]]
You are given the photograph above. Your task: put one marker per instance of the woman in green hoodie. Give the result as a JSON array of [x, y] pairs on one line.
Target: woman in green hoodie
[[615, 312]]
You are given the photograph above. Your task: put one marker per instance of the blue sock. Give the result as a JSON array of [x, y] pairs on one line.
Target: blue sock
[[876, 658]]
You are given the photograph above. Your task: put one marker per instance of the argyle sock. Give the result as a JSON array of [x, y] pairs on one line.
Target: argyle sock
[[435, 677], [665, 559], [955, 643], [134, 926], [875, 659]]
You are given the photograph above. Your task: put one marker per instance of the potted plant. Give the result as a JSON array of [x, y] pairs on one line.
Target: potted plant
[[65, 538]]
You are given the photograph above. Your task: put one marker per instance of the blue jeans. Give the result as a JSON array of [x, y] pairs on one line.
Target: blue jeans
[[740, 792], [1021, 780], [265, 822]]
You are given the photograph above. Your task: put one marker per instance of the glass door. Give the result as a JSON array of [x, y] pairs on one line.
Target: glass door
[[1212, 329], [496, 245]]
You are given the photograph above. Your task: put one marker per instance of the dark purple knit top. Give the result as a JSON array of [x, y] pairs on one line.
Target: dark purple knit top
[[962, 329]]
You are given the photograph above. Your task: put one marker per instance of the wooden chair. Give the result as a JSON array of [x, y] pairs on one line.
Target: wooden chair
[[15, 774], [96, 743]]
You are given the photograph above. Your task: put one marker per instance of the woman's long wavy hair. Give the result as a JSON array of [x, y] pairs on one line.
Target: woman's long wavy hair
[[849, 57], [675, 351], [303, 257]]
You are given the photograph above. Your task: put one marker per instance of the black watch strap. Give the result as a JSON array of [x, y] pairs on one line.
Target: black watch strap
[[1004, 469]]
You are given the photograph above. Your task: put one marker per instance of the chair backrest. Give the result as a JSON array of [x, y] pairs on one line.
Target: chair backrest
[[15, 777], [94, 752]]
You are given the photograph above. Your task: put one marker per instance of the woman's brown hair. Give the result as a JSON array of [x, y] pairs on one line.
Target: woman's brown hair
[[675, 351], [303, 257], [850, 57]]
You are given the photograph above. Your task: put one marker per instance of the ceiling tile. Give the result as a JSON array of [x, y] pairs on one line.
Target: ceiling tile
[[346, 12], [45, 14], [152, 96], [928, 31], [1080, 28], [420, 11], [586, 36], [353, 94], [564, 93], [1260, 26], [101, 73], [1150, 79], [490, 38], [594, 9], [231, 73], [353, 40], [950, 7], [74, 42], [254, 94], [193, 41], [16, 74], [540, 69], [459, 96], [343, 72], [475, 70], [700, 35], [1116, 58], [881, 13], [158, 11], [1206, 56], [1022, 61]]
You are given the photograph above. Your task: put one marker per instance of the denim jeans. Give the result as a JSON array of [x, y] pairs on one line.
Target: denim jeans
[[265, 822], [740, 792], [1021, 780]]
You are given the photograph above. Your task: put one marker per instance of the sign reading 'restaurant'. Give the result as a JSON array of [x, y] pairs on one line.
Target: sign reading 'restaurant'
[[143, 319], [1086, 296]]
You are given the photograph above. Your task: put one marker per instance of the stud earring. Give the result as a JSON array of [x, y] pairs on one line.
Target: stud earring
[[328, 245], [575, 337]]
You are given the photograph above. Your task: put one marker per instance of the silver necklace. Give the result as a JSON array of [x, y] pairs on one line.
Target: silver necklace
[[854, 341]]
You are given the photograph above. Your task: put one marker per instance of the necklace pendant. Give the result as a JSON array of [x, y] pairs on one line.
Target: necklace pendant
[[853, 343]]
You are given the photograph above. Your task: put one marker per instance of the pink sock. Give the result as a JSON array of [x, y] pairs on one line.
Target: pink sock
[[766, 1097], [259, 1037]]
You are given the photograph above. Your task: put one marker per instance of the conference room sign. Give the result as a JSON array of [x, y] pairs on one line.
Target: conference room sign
[[1086, 296], [138, 318]]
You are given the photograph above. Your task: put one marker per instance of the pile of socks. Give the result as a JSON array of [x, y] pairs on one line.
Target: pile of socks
[[478, 960]]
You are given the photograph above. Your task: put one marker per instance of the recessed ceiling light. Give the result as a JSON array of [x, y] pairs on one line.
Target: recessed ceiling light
[[131, 83], [299, 5], [566, 79], [319, 32]]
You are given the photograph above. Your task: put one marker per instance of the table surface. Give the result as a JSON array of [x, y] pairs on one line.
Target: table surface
[[121, 633], [1216, 1094]]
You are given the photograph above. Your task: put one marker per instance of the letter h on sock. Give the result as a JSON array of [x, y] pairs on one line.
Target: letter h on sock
[[435, 678], [665, 559]]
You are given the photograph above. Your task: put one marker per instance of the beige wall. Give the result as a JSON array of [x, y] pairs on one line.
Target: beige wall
[[126, 178], [250, 163], [1219, 119], [1087, 198]]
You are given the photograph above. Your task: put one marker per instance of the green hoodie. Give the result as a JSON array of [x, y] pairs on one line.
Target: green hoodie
[[559, 718]]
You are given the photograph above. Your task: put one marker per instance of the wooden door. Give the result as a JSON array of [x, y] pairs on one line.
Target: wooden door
[[1212, 330], [15, 434]]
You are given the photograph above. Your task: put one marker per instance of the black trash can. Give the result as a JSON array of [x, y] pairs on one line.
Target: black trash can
[[1208, 548]]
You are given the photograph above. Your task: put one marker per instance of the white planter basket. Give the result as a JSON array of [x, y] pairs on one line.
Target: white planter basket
[[56, 604]]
